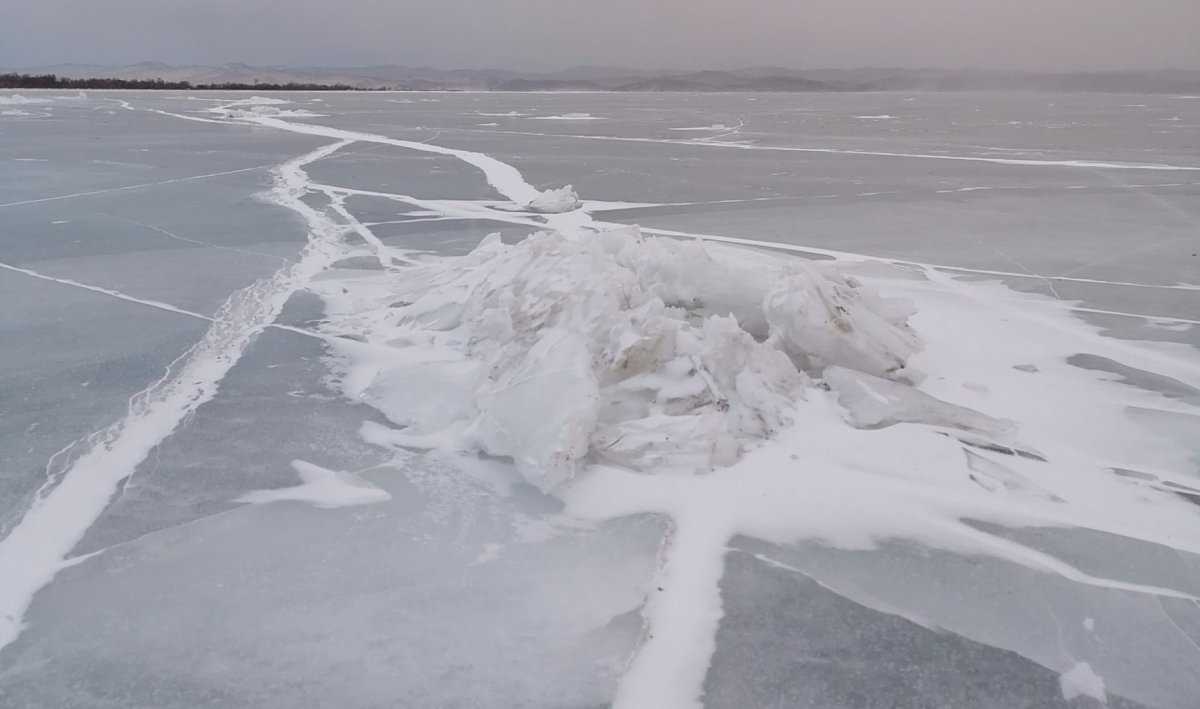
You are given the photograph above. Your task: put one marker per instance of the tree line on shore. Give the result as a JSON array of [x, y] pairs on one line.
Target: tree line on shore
[[52, 81]]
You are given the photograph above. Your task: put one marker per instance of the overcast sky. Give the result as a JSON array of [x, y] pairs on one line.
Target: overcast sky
[[553, 34]]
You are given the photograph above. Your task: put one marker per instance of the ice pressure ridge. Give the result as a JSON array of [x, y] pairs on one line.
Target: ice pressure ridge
[[654, 354], [745, 394]]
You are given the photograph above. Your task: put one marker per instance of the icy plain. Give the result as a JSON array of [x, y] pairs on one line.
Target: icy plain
[[888, 400]]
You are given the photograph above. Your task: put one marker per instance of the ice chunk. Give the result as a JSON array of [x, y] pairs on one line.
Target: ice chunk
[[1081, 681], [656, 354], [542, 410], [556, 201], [321, 488], [426, 396], [872, 402], [828, 319], [994, 476], [253, 106]]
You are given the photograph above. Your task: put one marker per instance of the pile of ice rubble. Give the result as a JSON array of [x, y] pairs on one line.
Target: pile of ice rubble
[[21, 100], [660, 355], [260, 107], [563, 199], [269, 112]]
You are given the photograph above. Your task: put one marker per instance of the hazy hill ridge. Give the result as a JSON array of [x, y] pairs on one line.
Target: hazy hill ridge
[[589, 78]]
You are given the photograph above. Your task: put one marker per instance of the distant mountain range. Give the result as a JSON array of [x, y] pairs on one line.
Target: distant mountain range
[[591, 78]]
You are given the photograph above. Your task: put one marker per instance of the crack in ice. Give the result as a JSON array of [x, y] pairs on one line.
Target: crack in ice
[[135, 187], [36, 548]]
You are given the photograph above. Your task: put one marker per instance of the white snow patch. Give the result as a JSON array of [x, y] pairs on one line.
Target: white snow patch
[[568, 117], [715, 126], [1082, 681], [322, 488]]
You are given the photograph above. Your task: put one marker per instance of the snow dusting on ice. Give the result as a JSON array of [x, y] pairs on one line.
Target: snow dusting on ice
[[321, 488]]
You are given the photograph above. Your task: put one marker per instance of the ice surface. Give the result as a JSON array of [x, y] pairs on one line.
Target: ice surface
[[1021, 483]]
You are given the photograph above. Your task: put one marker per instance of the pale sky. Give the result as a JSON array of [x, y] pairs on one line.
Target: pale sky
[[1049, 35]]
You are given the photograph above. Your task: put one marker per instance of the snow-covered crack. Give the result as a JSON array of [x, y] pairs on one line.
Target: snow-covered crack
[[36, 548]]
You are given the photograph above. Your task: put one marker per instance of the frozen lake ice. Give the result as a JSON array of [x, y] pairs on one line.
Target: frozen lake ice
[[254, 530]]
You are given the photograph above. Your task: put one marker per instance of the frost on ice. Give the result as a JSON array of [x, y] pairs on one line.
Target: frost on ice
[[650, 353]]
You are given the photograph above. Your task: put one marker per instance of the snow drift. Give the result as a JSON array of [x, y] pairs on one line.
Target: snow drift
[[655, 354]]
